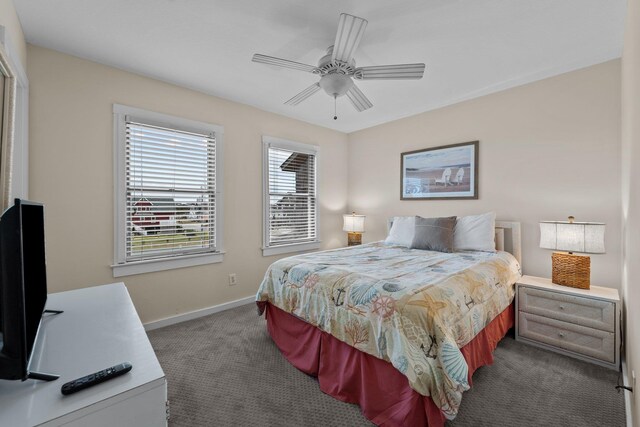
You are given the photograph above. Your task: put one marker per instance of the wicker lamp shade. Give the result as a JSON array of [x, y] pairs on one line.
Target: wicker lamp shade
[[567, 268]]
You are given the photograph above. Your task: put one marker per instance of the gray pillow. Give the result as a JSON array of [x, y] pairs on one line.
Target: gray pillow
[[434, 234]]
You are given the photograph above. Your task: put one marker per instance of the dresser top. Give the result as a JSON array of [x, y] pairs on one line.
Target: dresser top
[[98, 329], [595, 291]]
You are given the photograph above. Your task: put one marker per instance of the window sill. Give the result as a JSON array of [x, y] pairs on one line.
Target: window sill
[[285, 249], [148, 266]]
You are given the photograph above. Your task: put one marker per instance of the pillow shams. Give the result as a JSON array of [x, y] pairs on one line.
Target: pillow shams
[[475, 233], [402, 231], [434, 234]]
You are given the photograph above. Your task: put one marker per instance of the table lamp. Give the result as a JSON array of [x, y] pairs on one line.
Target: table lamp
[[354, 225], [569, 269]]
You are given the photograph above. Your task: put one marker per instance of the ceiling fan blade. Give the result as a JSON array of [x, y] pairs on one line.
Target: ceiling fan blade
[[304, 94], [271, 60], [357, 98], [350, 31], [390, 72]]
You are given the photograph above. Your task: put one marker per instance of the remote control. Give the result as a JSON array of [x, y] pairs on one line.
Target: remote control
[[96, 378]]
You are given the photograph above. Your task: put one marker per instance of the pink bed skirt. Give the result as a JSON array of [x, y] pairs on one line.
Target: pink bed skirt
[[381, 391]]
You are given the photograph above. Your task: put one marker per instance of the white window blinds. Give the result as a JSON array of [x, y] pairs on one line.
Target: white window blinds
[[170, 191], [292, 209]]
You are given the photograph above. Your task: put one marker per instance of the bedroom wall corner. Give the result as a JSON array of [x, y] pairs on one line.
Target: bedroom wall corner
[[631, 196], [71, 171], [548, 149]]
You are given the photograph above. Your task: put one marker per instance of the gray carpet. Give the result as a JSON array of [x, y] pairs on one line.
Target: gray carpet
[[224, 370]]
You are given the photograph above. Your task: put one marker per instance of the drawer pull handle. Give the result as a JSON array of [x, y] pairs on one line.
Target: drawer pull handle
[[562, 307]]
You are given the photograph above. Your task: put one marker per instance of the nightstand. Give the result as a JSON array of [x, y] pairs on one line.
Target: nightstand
[[581, 323]]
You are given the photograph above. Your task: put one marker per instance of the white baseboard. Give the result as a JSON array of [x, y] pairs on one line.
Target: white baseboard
[[627, 394], [156, 324]]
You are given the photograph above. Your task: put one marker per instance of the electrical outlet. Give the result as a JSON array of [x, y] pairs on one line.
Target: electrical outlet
[[233, 279]]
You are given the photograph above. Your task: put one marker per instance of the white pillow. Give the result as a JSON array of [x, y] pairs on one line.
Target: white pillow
[[402, 231], [475, 233]]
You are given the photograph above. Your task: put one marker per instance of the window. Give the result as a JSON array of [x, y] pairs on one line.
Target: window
[[168, 198], [290, 196]]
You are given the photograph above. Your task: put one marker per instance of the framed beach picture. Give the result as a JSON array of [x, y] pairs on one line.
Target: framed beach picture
[[446, 172]]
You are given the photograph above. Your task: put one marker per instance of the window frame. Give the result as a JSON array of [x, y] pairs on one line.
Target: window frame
[[274, 142], [20, 155], [121, 267]]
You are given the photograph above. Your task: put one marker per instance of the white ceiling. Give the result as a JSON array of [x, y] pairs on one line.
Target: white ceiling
[[470, 47]]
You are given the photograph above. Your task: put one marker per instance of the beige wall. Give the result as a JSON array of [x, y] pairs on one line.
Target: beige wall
[[547, 150], [71, 171], [9, 20], [631, 194]]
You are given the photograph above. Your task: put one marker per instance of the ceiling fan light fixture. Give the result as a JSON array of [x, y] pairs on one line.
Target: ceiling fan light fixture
[[336, 84]]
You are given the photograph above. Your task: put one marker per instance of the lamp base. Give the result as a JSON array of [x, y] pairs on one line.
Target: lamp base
[[355, 239], [571, 270]]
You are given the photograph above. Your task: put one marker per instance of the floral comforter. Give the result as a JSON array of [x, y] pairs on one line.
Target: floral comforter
[[412, 308]]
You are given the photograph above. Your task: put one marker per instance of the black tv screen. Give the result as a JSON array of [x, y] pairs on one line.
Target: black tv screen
[[23, 285], [34, 267]]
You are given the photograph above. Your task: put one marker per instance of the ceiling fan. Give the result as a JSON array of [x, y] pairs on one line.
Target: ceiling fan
[[337, 68]]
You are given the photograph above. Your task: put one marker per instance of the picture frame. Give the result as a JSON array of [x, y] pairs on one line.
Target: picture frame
[[446, 172]]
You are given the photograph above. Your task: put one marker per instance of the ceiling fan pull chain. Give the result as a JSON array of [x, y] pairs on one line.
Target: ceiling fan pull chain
[[335, 114]]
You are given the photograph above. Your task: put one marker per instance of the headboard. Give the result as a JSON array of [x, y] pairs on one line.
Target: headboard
[[508, 237]]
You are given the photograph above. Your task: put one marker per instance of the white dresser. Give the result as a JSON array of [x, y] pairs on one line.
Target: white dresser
[[98, 329], [582, 323]]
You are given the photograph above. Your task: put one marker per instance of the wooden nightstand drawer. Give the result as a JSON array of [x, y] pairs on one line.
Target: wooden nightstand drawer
[[583, 340], [590, 312]]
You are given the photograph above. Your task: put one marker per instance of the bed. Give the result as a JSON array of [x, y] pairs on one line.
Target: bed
[[397, 331]]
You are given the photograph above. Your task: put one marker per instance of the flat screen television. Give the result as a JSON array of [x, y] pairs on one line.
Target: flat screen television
[[23, 288]]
